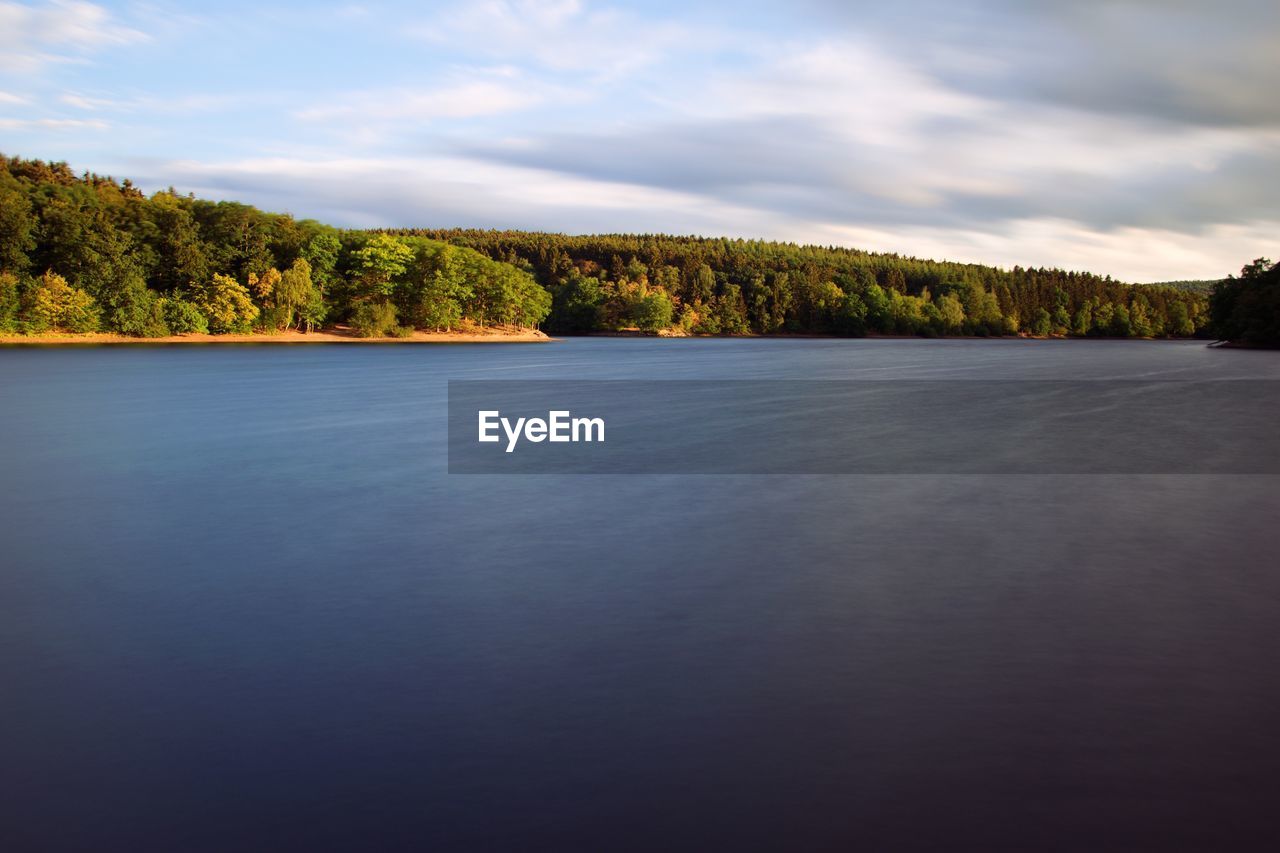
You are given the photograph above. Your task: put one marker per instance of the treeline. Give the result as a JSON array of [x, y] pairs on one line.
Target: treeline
[[1196, 285], [1247, 309], [724, 286], [86, 253]]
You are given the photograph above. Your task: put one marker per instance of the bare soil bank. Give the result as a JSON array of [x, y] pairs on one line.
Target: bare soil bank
[[338, 335]]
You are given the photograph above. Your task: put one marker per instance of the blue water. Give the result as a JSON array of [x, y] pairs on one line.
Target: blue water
[[244, 607]]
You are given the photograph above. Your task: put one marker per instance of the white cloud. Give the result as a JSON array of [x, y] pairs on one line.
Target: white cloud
[[83, 102], [34, 35], [445, 191], [439, 191], [51, 124], [838, 137], [584, 116], [184, 104], [1127, 253], [561, 35], [457, 100]]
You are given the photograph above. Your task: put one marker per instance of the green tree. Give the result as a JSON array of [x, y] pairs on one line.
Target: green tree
[[1121, 326], [322, 252], [294, 290], [181, 259], [1060, 320], [982, 312], [1103, 313], [653, 312], [379, 263], [731, 312], [17, 231], [312, 315], [183, 317], [1247, 309], [227, 305], [906, 312], [1042, 324], [374, 320], [879, 315], [951, 313], [1140, 319], [1083, 322], [852, 319], [1180, 323], [437, 285], [704, 284], [54, 304], [10, 302], [576, 304]]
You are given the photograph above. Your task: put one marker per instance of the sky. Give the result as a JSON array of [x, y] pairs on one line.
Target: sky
[[1139, 139]]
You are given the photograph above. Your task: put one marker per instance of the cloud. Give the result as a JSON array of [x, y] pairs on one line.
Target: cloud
[[34, 35], [51, 124], [439, 192], [562, 35], [172, 105], [456, 191], [1128, 253], [83, 102], [842, 132], [997, 131], [1182, 61], [478, 92]]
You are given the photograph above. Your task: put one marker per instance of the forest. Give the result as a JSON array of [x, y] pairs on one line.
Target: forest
[[1246, 309], [726, 286], [87, 252]]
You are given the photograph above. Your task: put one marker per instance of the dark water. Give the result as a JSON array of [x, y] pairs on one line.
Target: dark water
[[243, 607]]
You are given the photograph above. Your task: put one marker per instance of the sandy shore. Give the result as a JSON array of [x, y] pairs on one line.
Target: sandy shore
[[328, 336]]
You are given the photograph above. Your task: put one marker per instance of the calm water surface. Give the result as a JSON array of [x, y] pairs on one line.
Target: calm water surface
[[243, 607]]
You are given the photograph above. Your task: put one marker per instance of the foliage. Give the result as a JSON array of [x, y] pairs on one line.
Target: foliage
[[379, 263], [226, 304], [183, 317], [17, 227], [56, 305], [10, 302], [374, 320], [726, 286], [653, 312], [1247, 309], [140, 257], [1042, 324]]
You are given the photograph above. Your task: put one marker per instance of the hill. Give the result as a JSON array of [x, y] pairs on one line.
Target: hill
[[87, 253]]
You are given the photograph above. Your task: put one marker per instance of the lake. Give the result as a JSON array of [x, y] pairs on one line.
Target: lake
[[243, 606]]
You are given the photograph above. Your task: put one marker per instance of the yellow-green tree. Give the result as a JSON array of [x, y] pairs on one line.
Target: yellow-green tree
[[294, 291], [226, 303], [54, 304], [379, 263], [952, 313]]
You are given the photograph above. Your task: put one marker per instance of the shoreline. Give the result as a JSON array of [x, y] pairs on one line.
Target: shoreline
[[873, 336], [327, 336], [494, 335]]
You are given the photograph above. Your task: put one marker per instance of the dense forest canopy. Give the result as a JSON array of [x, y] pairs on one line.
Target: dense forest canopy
[[1247, 309], [82, 253], [85, 253], [1197, 285], [719, 286]]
